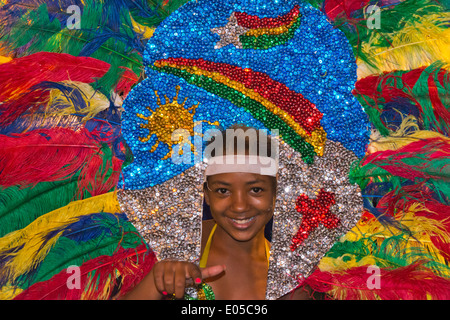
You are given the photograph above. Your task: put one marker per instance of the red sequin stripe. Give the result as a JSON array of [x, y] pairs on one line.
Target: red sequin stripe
[[255, 22], [299, 108]]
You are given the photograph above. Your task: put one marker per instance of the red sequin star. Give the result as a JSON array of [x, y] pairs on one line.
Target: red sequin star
[[314, 211]]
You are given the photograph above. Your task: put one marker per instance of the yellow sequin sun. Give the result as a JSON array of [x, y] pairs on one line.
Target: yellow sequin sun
[[166, 119]]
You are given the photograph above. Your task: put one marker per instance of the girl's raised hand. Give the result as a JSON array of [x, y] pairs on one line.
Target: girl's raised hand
[[172, 277]]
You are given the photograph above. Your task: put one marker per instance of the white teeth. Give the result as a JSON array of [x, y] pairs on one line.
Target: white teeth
[[243, 221]]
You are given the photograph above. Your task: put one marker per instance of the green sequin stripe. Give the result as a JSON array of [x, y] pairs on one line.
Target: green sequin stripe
[[267, 41], [256, 109]]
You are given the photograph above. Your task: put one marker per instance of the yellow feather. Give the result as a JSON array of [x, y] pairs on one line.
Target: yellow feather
[[394, 143], [419, 43], [30, 239], [328, 264], [95, 101], [90, 287], [9, 292], [422, 228], [4, 59], [400, 138], [147, 32]]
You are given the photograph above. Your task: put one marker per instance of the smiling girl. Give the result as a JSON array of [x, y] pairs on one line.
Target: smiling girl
[[240, 189]]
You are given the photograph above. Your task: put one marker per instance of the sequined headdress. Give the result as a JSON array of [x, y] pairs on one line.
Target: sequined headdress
[[275, 65]]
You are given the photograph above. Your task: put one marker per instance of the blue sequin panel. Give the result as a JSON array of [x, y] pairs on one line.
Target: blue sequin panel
[[317, 62]]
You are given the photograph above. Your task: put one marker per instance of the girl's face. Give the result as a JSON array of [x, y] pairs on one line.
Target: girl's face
[[241, 203]]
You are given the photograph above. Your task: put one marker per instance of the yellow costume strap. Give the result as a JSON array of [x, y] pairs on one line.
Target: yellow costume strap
[[267, 246], [204, 258]]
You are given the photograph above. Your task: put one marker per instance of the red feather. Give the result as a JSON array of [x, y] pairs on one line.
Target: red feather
[[44, 155], [339, 8], [93, 175], [399, 84], [401, 200], [99, 277], [422, 151], [23, 73], [126, 82], [413, 282], [18, 77]]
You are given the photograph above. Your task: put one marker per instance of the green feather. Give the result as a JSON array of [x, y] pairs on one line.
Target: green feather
[[392, 252], [430, 117], [21, 206], [420, 92], [36, 31], [67, 252], [393, 21]]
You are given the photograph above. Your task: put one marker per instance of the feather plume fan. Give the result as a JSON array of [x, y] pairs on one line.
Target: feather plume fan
[[392, 35], [116, 273], [403, 86], [62, 152]]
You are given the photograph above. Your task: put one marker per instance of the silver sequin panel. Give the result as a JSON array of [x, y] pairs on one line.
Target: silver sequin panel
[[329, 172], [169, 215]]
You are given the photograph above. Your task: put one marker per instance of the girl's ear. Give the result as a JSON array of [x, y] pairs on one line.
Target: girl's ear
[[206, 193]]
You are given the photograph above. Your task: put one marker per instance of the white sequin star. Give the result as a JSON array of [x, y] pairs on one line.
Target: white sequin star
[[229, 34]]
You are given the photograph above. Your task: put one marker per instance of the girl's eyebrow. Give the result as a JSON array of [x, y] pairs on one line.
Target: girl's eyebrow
[[221, 182], [254, 181], [229, 184]]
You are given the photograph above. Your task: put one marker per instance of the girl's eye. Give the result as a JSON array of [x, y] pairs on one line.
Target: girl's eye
[[221, 190], [257, 189]]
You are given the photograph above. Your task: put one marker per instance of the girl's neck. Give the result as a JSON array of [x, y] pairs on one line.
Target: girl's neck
[[252, 248]]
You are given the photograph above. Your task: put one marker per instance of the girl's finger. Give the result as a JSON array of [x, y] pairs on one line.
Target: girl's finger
[[179, 282], [169, 278], [158, 275], [194, 274], [212, 271]]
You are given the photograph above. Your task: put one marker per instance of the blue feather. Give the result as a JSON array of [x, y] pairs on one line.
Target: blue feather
[[132, 42], [40, 121], [92, 226], [5, 257], [73, 94], [397, 109], [86, 228], [370, 197]]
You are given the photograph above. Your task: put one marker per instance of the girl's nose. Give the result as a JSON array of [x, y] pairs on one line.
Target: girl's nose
[[239, 202]]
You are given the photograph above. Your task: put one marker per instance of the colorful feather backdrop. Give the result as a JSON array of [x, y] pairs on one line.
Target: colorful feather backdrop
[[62, 151], [403, 86]]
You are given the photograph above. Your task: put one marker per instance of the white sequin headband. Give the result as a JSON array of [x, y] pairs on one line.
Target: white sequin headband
[[265, 166]]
